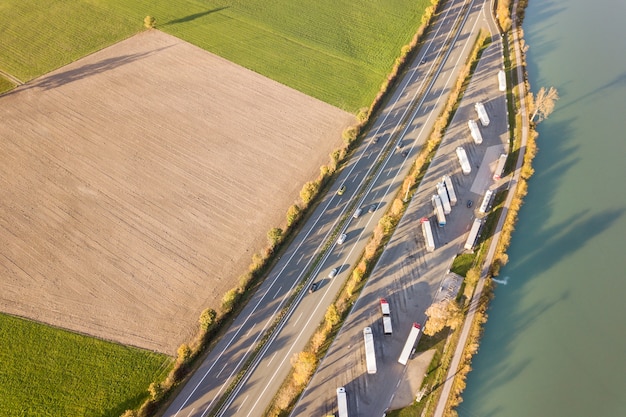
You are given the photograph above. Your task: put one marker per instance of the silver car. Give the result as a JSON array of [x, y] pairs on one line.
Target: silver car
[[342, 238], [333, 273]]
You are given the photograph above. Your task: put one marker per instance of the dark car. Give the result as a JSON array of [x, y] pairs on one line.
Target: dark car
[[314, 287], [405, 153], [469, 203], [372, 208]]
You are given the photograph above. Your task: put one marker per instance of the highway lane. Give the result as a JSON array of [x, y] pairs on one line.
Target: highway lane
[[210, 381], [407, 275], [274, 365]]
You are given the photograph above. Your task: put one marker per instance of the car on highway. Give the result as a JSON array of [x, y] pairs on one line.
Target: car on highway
[[405, 153], [333, 273], [357, 213], [341, 190], [314, 287], [372, 208], [399, 145], [469, 203], [342, 238]]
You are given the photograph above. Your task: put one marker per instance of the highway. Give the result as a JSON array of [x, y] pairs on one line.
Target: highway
[[408, 276], [372, 178]]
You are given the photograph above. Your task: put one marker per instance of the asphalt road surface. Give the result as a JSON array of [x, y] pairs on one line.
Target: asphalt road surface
[[407, 275], [371, 178]]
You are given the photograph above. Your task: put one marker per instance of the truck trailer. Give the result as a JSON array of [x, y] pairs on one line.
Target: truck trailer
[[463, 160], [473, 234], [342, 402], [482, 113], [499, 167], [428, 234], [501, 81], [443, 195], [370, 353], [486, 201], [475, 132], [410, 344], [450, 189], [384, 308], [441, 217]]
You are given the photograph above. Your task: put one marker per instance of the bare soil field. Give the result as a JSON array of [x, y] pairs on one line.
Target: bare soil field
[[137, 183]]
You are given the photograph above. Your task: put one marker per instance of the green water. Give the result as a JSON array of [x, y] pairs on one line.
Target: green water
[[555, 342]]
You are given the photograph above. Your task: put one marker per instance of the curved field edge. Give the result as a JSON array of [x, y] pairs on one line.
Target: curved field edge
[[44, 368], [329, 49]]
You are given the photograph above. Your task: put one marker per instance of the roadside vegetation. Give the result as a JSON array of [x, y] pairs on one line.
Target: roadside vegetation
[[327, 49], [70, 374]]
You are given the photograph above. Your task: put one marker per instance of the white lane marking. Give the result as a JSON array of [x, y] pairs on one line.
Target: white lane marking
[[244, 400], [273, 356], [301, 256], [296, 322], [191, 412], [277, 291], [224, 367], [248, 332]]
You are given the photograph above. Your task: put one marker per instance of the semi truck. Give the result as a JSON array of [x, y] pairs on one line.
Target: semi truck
[[441, 217], [443, 195], [501, 81], [499, 167], [370, 353], [475, 132], [384, 308], [410, 344], [450, 189], [463, 160], [473, 234], [482, 113], [428, 234], [342, 402], [486, 201]]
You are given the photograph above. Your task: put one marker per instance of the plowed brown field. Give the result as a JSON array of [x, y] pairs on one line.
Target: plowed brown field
[[136, 184]]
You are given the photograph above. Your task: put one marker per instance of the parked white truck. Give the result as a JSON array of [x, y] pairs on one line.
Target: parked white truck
[[482, 113], [384, 308], [463, 160], [410, 344], [441, 217], [450, 189], [428, 234], [342, 402], [473, 234], [443, 195], [475, 132], [370, 353]]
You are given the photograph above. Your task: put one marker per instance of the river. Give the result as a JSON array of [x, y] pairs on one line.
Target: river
[[555, 343]]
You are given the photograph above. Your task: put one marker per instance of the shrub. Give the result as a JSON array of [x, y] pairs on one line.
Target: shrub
[[207, 318]]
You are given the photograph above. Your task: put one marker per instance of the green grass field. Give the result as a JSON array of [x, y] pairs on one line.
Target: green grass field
[[335, 50], [51, 372], [5, 85]]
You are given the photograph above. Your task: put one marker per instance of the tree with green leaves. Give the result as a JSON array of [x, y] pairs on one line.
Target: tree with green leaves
[[207, 318], [293, 214], [149, 22], [274, 236]]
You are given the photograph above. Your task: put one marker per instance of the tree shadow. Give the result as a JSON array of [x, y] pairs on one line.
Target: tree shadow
[[65, 77], [194, 16]]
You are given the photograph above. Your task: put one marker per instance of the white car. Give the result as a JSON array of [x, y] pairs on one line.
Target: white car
[[333, 273], [342, 238]]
